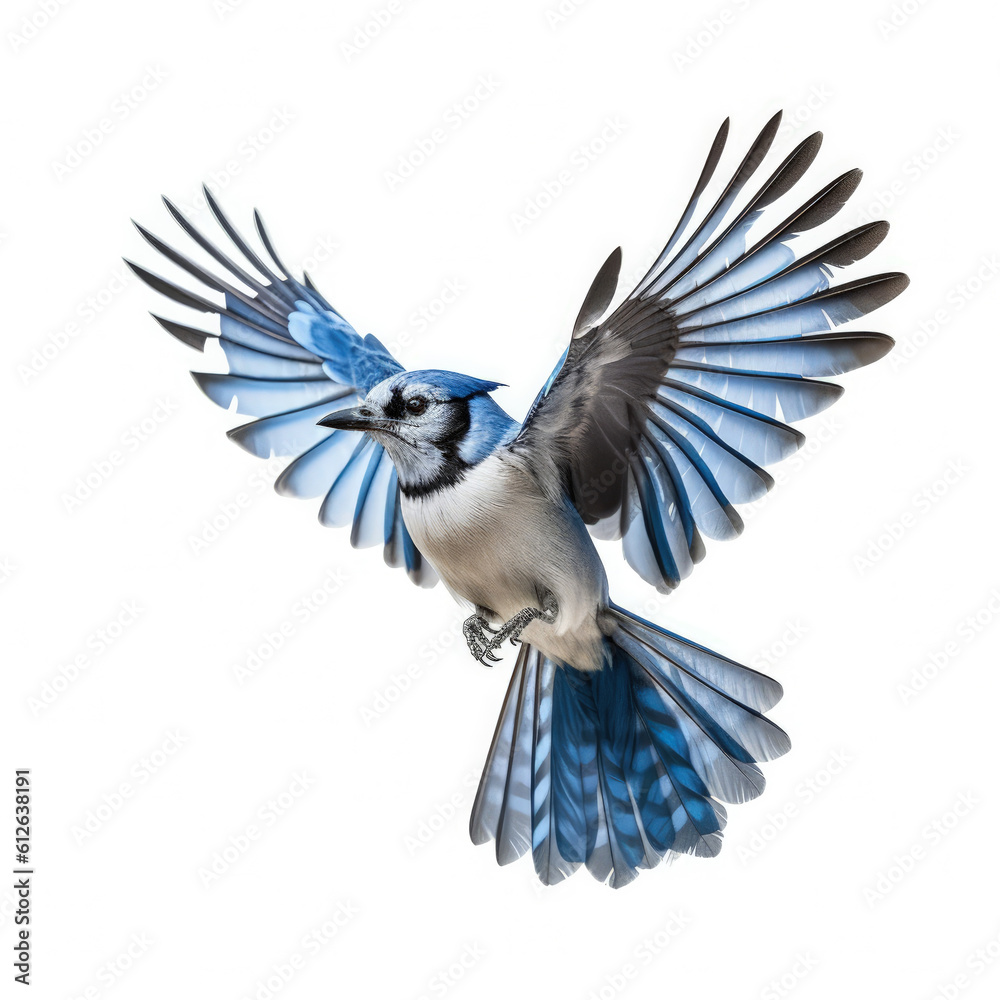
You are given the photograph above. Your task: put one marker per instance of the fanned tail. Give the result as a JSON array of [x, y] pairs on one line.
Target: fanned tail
[[617, 768]]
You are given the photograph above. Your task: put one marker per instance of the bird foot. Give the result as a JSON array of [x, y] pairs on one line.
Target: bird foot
[[482, 647], [475, 628]]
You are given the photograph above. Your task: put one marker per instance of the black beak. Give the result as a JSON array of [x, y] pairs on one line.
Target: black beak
[[354, 418]]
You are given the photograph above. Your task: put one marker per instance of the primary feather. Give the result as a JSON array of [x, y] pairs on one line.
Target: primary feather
[[292, 357], [693, 378]]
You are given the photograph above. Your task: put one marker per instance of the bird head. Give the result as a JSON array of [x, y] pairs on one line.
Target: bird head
[[434, 424]]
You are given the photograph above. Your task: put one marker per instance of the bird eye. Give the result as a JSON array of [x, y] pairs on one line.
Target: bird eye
[[416, 405]]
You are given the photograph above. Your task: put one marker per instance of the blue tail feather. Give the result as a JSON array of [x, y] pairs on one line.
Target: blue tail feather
[[620, 767], [650, 786], [546, 815], [616, 728], [568, 742]]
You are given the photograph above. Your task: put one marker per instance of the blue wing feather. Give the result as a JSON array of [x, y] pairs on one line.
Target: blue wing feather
[[293, 358], [292, 432], [311, 473], [259, 364], [340, 504], [259, 340], [369, 513], [704, 364]]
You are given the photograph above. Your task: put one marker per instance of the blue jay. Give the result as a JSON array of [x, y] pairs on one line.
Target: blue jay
[[618, 741]]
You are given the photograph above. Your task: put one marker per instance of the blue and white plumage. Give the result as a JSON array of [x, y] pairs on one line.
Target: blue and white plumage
[[618, 741]]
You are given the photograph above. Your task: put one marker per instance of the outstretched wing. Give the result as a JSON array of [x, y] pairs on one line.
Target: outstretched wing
[[660, 418], [292, 360]]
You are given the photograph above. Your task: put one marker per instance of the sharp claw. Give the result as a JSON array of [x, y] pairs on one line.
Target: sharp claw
[[482, 648]]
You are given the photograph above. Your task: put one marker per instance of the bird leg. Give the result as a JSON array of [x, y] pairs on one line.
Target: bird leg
[[482, 647]]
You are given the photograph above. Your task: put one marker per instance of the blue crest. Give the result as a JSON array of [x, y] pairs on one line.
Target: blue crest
[[457, 385]]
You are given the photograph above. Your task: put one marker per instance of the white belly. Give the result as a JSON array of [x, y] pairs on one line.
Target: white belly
[[499, 543]]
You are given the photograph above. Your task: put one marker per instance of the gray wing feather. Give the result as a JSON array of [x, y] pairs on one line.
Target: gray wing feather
[[658, 418]]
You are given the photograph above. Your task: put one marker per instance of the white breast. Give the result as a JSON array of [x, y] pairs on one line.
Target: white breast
[[499, 543]]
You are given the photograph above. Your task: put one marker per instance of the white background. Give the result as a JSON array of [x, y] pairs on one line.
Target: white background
[[848, 580]]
